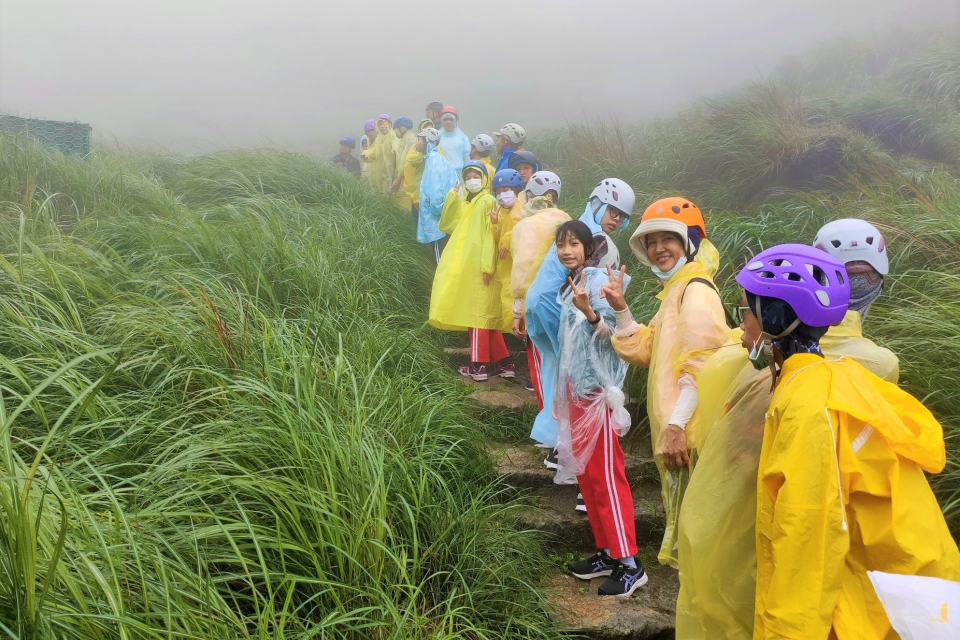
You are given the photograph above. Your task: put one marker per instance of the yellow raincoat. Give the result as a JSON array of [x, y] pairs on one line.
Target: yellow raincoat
[[491, 171], [530, 241], [459, 299], [717, 530], [412, 173], [840, 492], [381, 157], [402, 148], [677, 341], [503, 234]]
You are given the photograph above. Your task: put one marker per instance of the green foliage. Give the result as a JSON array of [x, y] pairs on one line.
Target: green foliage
[[222, 416], [859, 128]]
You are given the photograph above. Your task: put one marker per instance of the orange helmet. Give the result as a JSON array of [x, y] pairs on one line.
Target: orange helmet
[[676, 215]]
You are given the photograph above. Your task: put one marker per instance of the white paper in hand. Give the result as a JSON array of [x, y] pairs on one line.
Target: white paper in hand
[[919, 608]]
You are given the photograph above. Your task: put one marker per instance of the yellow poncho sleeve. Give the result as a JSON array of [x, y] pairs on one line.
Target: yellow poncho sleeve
[[451, 212], [636, 348]]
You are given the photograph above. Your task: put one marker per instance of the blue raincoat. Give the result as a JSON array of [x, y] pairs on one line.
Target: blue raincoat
[[456, 146], [543, 322], [439, 176]]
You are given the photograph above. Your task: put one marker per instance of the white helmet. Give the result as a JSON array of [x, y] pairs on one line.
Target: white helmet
[[430, 134], [482, 143], [543, 181], [512, 132], [850, 240], [616, 193]]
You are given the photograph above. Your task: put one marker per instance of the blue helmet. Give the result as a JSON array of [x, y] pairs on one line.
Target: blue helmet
[[403, 121], [349, 141], [476, 166], [507, 178]]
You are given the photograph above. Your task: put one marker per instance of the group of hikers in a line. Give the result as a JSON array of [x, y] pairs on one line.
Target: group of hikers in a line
[[791, 463]]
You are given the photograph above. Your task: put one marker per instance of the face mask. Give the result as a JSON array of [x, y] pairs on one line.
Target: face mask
[[757, 355], [507, 199], [666, 275], [473, 185]]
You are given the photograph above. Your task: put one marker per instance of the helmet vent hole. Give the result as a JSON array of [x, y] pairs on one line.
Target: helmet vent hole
[[675, 209], [780, 262], [765, 274], [840, 278], [835, 243], [686, 205], [870, 240], [792, 276], [818, 275]]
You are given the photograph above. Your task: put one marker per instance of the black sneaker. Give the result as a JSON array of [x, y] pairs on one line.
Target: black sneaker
[[528, 385], [623, 581], [581, 505], [596, 566], [552, 461]]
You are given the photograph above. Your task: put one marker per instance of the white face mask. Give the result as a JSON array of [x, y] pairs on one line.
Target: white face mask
[[506, 199], [473, 185]]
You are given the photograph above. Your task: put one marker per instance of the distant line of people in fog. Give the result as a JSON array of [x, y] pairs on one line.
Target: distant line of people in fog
[[791, 464]]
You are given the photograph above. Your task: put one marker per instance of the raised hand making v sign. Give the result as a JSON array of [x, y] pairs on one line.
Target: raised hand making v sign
[[581, 299], [612, 291]]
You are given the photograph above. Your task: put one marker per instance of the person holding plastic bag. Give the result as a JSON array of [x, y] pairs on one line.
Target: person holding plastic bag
[[841, 488], [589, 405], [716, 537], [689, 326], [438, 178], [608, 209], [465, 295]]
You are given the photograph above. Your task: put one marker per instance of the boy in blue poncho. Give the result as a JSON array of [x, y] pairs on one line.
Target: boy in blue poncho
[[439, 177]]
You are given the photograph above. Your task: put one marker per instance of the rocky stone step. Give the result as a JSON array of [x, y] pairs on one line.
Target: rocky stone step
[[551, 511], [647, 615], [522, 466]]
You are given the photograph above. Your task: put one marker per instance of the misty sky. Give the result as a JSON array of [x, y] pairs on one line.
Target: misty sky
[[195, 75]]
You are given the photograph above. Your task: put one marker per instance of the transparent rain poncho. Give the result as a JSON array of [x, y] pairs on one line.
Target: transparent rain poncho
[[439, 176], [542, 317], [687, 329], [589, 372]]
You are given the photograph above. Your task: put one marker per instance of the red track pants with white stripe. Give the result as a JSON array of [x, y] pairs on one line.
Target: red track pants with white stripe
[[487, 345], [533, 362], [606, 492]]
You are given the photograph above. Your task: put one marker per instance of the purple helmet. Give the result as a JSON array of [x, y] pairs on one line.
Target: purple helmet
[[369, 125], [811, 281], [385, 116]]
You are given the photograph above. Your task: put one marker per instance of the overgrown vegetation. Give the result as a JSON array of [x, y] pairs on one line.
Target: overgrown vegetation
[[222, 416], [859, 128]]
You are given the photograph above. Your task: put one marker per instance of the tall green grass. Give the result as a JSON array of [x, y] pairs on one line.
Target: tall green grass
[[222, 416], [865, 128]]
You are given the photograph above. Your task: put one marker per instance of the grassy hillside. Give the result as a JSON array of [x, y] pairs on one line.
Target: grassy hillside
[[858, 128], [221, 415]]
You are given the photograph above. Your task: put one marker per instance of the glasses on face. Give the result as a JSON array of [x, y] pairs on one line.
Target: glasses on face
[[617, 215], [741, 313]]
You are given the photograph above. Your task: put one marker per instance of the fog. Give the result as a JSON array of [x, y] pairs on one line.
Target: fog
[[195, 75]]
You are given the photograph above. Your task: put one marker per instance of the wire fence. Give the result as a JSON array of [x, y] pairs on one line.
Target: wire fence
[[68, 137]]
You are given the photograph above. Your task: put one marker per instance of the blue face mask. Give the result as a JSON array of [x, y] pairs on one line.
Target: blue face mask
[[666, 275]]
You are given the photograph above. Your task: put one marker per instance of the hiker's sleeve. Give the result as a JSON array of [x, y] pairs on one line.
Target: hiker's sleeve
[[634, 343]]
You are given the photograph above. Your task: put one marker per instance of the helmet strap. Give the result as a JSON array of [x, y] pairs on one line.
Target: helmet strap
[[768, 342]]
